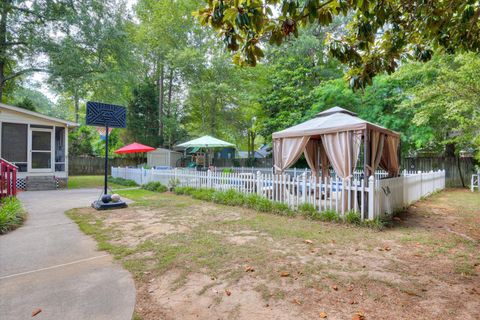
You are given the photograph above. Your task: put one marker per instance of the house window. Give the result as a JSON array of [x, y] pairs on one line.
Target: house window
[[59, 149], [14, 144]]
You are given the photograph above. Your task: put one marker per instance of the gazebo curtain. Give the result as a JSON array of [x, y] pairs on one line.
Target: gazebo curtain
[[377, 140], [288, 150], [389, 161], [342, 149]]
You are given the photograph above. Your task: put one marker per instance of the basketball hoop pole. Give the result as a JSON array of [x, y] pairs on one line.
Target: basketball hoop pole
[[106, 159]]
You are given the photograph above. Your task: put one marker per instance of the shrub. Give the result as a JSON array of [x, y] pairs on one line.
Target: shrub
[[254, 201], [12, 214], [309, 211], [184, 190], [282, 209], [154, 186], [229, 197], [173, 183], [203, 194], [353, 217], [329, 215], [227, 170], [122, 182]]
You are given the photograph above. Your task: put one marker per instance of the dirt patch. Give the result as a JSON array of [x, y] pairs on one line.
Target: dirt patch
[[195, 260]]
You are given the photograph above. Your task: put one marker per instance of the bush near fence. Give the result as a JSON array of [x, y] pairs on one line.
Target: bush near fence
[[372, 199]]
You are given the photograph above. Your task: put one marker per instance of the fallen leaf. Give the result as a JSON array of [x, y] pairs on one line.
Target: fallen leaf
[[249, 269], [334, 287], [358, 316], [323, 314], [353, 302], [387, 248], [228, 292], [284, 274], [36, 311], [297, 302], [350, 288], [308, 241], [397, 219]]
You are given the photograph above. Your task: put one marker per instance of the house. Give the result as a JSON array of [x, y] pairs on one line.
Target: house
[[37, 144]]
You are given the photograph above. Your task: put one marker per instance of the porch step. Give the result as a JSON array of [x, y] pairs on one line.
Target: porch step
[[35, 183]]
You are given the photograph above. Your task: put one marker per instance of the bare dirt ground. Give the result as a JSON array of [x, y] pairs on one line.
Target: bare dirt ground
[[196, 260]]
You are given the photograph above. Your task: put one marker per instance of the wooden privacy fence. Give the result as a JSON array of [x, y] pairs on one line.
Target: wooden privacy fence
[[78, 166], [371, 198]]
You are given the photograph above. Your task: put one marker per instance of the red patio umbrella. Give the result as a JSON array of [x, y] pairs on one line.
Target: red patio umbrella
[[134, 148]]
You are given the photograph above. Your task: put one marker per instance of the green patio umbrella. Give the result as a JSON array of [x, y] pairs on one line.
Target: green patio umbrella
[[207, 142]]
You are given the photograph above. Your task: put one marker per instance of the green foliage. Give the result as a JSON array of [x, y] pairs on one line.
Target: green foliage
[[142, 115], [282, 209], [12, 214], [373, 41], [122, 182], [330, 215], [229, 197], [352, 217], [184, 190], [154, 186]]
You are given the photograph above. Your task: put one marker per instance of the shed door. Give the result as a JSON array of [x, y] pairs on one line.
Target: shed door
[[41, 150]]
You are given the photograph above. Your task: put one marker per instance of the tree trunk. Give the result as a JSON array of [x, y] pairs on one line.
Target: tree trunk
[[170, 84], [77, 107], [161, 95], [460, 171], [3, 43]]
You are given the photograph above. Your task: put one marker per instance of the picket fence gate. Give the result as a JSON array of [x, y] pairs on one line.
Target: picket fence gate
[[371, 198], [475, 183]]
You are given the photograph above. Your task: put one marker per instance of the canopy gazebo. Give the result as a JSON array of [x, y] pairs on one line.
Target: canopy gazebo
[[334, 137], [207, 142]]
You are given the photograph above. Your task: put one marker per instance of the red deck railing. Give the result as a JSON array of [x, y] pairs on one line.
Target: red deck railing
[[8, 179]]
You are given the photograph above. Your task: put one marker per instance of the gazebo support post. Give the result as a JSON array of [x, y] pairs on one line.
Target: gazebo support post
[[366, 161]]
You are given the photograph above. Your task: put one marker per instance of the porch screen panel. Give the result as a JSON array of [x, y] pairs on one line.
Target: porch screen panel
[[14, 142], [59, 149]]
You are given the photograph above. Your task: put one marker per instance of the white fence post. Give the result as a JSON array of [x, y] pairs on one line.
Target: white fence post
[[304, 189], [371, 198], [259, 183], [209, 179]]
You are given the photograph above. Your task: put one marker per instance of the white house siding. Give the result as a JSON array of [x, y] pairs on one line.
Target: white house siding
[[29, 118]]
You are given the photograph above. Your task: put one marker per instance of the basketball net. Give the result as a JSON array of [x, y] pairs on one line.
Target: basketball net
[[103, 132]]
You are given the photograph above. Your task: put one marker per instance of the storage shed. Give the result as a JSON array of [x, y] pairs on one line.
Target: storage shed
[[161, 157]]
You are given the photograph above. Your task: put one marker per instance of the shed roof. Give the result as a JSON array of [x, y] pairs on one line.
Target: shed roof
[[333, 120]]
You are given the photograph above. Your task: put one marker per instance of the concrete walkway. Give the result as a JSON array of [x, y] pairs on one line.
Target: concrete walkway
[[50, 264]]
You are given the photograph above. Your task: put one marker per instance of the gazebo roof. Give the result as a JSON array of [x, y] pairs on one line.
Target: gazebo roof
[[333, 120]]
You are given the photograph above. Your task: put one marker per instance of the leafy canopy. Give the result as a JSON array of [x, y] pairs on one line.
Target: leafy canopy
[[379, 35]]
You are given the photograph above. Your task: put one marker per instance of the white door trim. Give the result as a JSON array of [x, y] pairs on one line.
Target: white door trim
[[52, 147]]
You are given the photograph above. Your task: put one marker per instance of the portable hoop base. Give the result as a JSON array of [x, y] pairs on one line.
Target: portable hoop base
[[100, 205]]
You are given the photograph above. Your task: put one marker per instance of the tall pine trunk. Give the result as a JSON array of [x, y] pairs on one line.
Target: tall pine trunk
[[161, 95], [3, 44]]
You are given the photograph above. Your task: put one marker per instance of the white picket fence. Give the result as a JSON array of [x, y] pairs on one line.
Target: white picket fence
[[475, 183], [372, 198]]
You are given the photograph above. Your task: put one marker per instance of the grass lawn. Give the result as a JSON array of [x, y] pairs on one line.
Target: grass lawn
[[197, 260], [76, 182]]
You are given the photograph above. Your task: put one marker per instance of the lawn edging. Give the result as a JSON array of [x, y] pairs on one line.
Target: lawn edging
[[253, 201], [12, 214]]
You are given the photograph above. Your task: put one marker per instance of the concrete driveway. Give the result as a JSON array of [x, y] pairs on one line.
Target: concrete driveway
[[50, 264]]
